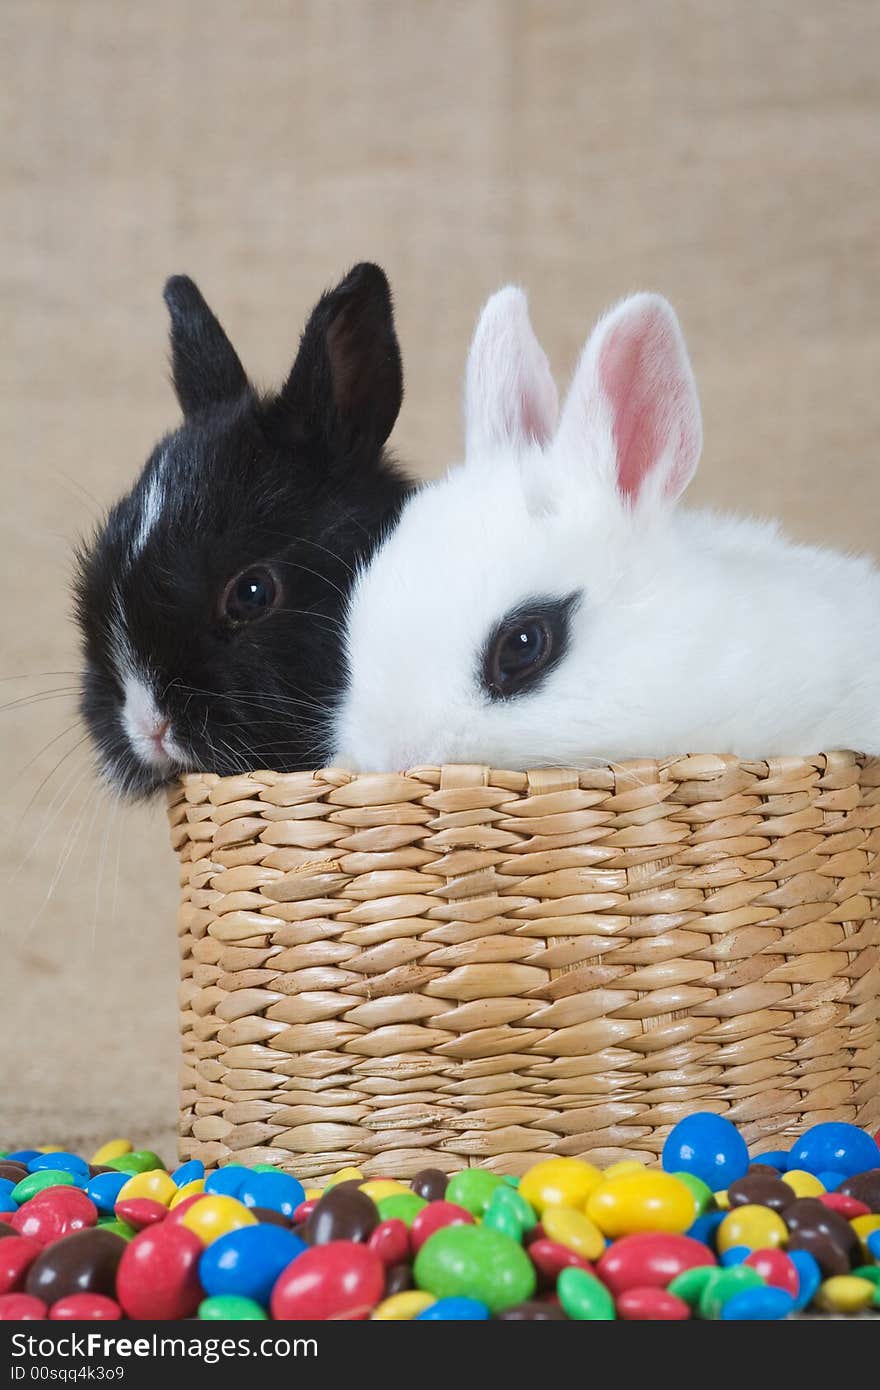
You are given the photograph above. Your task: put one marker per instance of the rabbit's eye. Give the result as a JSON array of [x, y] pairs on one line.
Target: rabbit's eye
[[250, 595], [525, 645]]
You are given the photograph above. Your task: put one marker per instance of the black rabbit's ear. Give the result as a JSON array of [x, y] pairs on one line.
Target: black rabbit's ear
[[205, 368], [346, 384]]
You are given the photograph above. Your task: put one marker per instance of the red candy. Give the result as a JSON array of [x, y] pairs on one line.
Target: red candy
[[776, 1269], [54, 1213], [158, 1275], [173, 1217], [141, 1211], [436, 1215], [651, 1259], [650, 1304], [390, 1241], [550, 1259], [337, 1280], [847, 1206], [304, 1210], [85, 1307], [17, 1254], [21, 1307]]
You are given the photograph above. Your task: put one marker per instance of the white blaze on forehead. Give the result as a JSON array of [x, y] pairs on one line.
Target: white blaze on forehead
[[152, 502]]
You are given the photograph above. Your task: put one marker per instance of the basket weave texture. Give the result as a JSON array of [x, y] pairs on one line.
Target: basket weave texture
[[461, 965]]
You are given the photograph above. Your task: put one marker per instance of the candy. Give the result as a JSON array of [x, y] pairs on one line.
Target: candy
[[193, 1171], [158, 1275], [114, 1148], [278, 1191], [398, 1278], [434, 1217], [809, 1276], [723, 1284], [865, 1227], [225, 1182], [550, 1259], [865, 1187], [343, 1213], [104, 1190], [228, 1306], [140, 1211], [473, 1189], [340, 1279], [765, 1304], [708, 1146], [247, 1262], [390, 1240], [559, 1182], [403, 1307], [760, 1189], [60, 1161], [477, 1262], [21, 1307], [211, 1217], [652, 1259], [85, 1307], [652, 1305], [138, 1161], [85, 1262], [845, 1293], [456, 1309], [808, 1218], [843, 1147], [584, 1297], [699, 1190], [649, 1201], [802, 1183], [404, 1206], [847, 1207], [56, 1212], [154, 1184], [431, 1184], [573, 1230], [40, 1181], [755, 1227], [776, 1269], [17, 1254]]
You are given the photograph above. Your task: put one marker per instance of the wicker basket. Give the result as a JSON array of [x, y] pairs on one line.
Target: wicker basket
[[463, 965]]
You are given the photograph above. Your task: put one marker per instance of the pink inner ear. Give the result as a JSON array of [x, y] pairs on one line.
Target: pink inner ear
[[537, 414], [642, 375]]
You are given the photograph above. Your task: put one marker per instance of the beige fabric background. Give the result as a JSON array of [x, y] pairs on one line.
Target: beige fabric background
[[723, 151]]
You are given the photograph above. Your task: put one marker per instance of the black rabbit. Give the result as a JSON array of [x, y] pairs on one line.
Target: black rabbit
[[211, 599]]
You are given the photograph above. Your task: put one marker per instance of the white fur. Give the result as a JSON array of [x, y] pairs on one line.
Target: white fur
[[696, 632], [152, 505], [146, 727]]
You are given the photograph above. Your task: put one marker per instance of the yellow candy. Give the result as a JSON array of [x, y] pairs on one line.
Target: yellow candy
[[312, 1192], [722, 1201], [648, 1201], [565, 1182], [573, 1230], [755, 1227], [114, 1148], [845, 1293], [345, 1175], [863, 1227], [158, 1185], [626, 1165], [383, 1187], [214, 1215], [189, 1189], [402, 1307], [802, 1183]]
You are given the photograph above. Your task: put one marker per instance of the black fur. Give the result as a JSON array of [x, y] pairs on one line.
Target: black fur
[[296, 480]]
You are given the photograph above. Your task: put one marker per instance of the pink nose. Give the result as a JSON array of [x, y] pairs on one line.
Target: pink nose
[[159, 732]]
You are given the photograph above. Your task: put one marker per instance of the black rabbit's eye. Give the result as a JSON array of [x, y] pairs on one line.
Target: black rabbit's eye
[[525, 645], [250, 595]]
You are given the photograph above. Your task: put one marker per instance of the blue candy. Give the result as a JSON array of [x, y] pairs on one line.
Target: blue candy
[[277, 1191], [226, 1181], [831, 1181], [23, 1155], [705, 1226], [248, 1261], [809, 1276], [837, 1147], [873, 1244], [735, 1255], [61, 1160], [104, 1188], [189, 1172], [776, 1158], [6, 1186], [6, 1202], [454, 1309], [760, 1305], [708, 1146]]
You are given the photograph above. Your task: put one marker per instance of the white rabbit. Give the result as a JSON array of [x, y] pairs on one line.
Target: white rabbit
[[546, 603]]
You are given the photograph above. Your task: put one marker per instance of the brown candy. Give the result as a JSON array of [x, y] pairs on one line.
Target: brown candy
[[272, 1218], [430, 1183], [827, 1234], [12, 1170], [762, 1189], [764, 1168], [343, 1213], [84, 1262], [398, 1279], [865, 1187], [829, 1257], [533, 1311]]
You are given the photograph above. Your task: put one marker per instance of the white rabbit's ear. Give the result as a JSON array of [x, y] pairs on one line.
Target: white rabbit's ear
[[510, 395], [635, 379]]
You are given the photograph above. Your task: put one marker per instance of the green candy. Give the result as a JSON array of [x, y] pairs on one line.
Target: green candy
[[232, 1306], [511, 1180], [119, 1228], [723, 1285], [473, 1189], [403, 1206], [584, 1297], [37, 1182], [510, 1213], [475, 1262], [504, 1220], [141, 1161], [699, 1190], [690, 1284], [265, 1168]]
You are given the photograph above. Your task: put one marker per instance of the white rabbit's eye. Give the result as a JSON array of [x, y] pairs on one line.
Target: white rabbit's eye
[[525, 645], [250, 595]]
